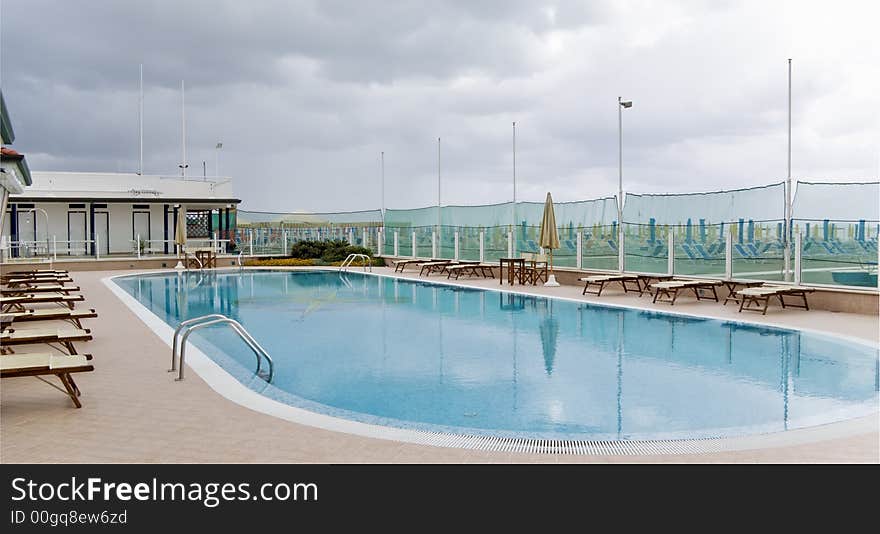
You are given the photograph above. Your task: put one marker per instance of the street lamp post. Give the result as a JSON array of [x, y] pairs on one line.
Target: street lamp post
[[621, 104], [217, 159]]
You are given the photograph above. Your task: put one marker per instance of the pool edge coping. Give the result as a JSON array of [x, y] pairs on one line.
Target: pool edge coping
[[230, 388]]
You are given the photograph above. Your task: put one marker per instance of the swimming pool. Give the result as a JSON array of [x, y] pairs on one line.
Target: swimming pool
[[418, 355]]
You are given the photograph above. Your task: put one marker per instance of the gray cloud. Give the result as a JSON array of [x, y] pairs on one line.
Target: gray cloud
[[304, 95]]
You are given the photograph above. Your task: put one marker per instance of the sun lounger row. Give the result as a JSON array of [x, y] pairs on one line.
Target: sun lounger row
[[20, 326], [754, 296]]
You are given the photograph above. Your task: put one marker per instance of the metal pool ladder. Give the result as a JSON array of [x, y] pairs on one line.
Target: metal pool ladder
[[187, 327], [346, 263]]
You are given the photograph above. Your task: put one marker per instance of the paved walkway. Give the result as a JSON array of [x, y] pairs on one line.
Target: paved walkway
[[134, 411]]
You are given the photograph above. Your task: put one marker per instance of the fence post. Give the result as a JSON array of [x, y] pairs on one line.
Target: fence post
[[397, 243], [55, 248], [351, 236], [798, 240], [728, 256], [482, 246], [251, 237], [509, 244], [285, 250], [137, 245], [621, 254], [455, 237], [579, 247], [97, 247], [670, 260], [414, 255], [380, 246], [364, 242], [433, 244]]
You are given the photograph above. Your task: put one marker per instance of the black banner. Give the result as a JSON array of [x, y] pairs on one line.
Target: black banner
[[234, 497]]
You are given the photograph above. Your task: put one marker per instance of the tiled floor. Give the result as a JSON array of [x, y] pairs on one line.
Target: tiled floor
[[134, 411]]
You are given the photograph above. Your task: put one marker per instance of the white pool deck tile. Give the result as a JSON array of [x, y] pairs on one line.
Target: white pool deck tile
[[133, 410]]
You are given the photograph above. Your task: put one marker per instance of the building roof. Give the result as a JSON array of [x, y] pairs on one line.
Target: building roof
[[6, 132], [124, 187]]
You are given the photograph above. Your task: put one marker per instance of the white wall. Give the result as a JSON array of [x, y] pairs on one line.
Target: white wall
[[122, 185]]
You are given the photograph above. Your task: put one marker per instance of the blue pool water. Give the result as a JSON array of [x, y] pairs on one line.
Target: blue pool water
[[421, 355]]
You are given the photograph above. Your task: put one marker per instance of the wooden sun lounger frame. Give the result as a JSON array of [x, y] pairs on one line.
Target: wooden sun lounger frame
[[470, 269], [16, 281], [603, 280], [761, 299], [438, 266], [400, 265], [17, 303], [63, 374], [50, 314], [66, 340], [57, 288], [669, 292]]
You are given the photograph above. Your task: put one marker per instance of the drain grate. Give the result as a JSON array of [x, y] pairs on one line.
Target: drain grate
[[555, 446]]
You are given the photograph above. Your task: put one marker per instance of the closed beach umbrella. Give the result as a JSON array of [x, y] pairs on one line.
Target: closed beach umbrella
[[180, 231], [549, 238]]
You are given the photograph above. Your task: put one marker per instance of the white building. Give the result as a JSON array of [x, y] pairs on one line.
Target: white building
[[14, 172], [75, 214]]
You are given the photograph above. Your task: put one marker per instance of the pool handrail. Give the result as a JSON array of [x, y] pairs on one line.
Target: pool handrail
[[196, 323], [346, 263]]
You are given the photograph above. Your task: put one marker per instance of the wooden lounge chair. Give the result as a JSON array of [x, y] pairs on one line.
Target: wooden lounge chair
[[36, 272], [38, 365], [400, 265], [470, 269], [18, 302], [48, 314], [602, 280], [63, 337], [434, 266], [34, 281], [758, 298], [668, 291], [49, 288]]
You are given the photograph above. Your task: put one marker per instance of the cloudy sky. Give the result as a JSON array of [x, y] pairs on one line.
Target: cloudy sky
[[304, 95]]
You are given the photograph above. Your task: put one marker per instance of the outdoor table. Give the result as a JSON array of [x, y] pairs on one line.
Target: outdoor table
[[731, 288], [514, 267]]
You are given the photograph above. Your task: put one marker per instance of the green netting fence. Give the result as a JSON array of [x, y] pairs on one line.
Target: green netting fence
[[738, 233]]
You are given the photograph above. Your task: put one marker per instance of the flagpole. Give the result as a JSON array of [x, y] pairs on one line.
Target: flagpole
[[513, 226], [141, 121], [787, 239]]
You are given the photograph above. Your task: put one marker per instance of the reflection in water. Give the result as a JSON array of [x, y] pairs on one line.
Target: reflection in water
[[549, 330]]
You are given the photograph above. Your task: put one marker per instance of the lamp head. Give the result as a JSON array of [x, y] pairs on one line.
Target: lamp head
[[626, 103]]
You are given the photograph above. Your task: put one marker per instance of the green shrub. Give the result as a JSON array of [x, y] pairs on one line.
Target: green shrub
[[327, 251]]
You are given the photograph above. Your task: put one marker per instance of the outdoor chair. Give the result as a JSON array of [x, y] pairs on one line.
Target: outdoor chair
[[17, 302], [48, 314], [429, 267], [758, 298], [535, 270], [602, 280], [39, 365], [63, 337], [48, 288], [470, 269], [668, 291]]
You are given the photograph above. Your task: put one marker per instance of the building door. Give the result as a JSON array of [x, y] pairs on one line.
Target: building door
[[76, 233], [27, 233], [140, 227], [102, 231]]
